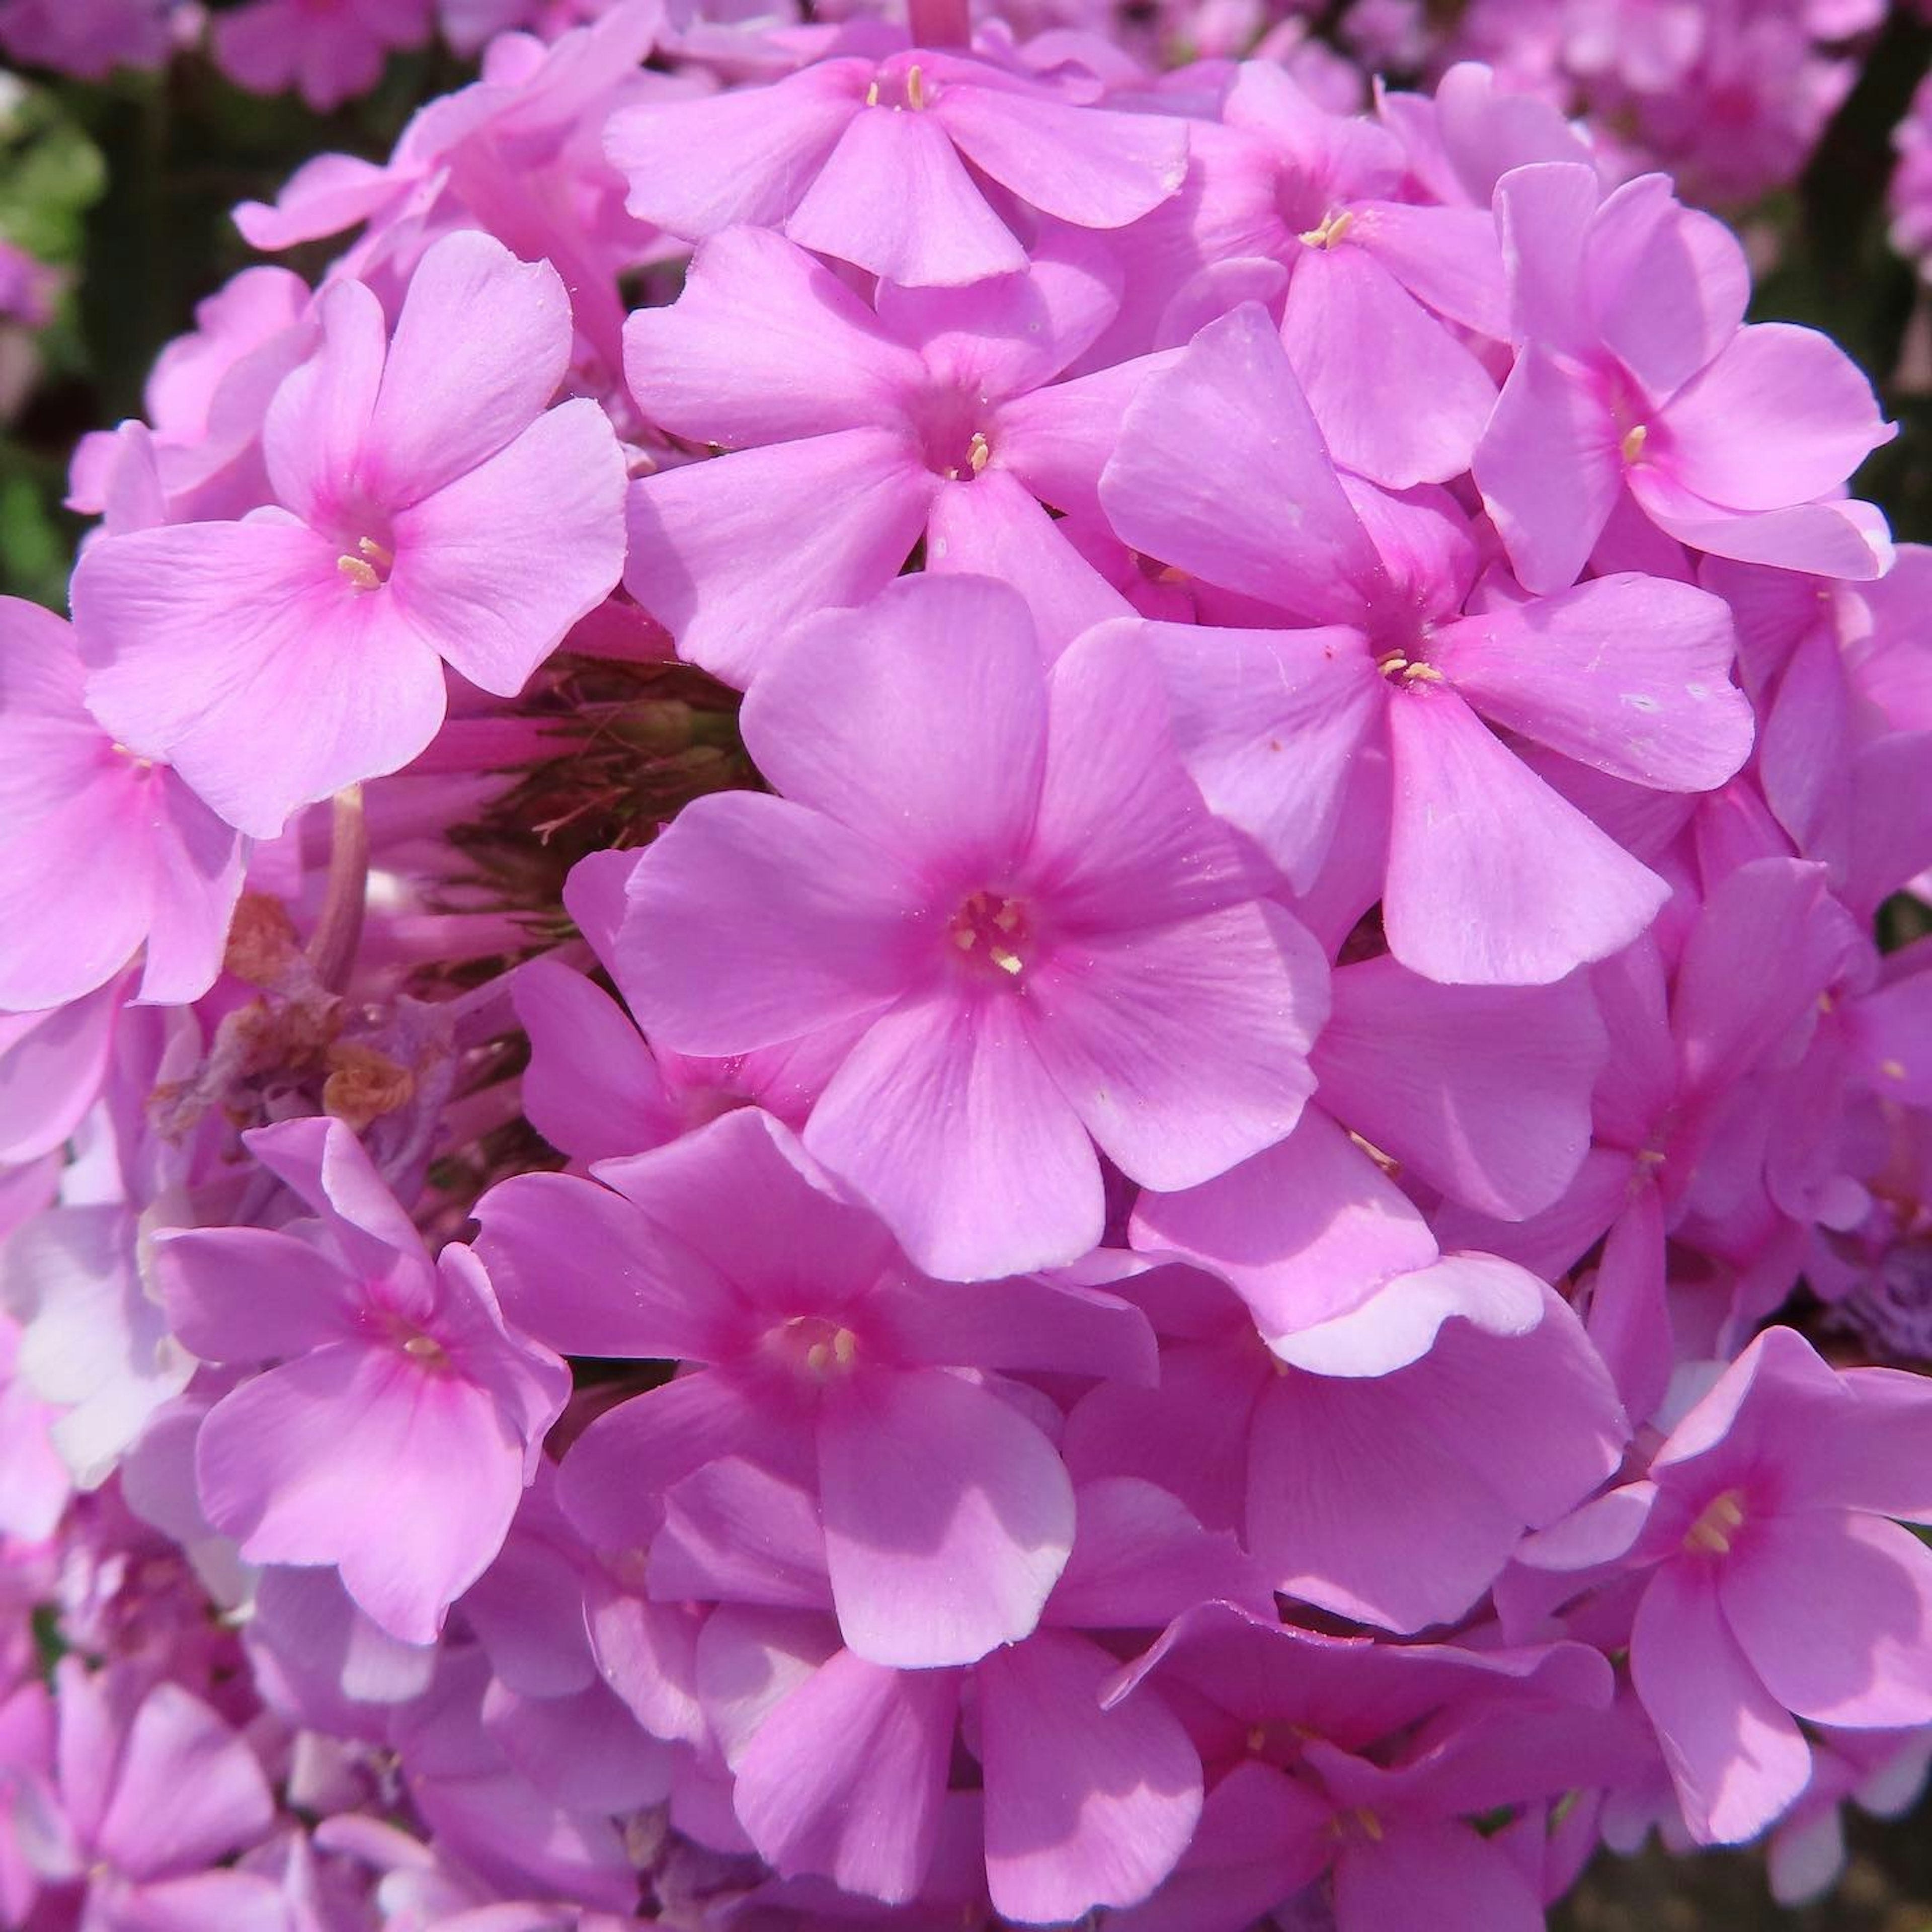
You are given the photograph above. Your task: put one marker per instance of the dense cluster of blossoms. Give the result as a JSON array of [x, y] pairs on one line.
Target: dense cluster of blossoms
[[1000, 1071], [1731, 95]]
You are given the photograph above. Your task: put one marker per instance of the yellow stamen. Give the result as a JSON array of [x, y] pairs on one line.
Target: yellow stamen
[[424, 1348], [844, 1347], [1892, 1069], [1724, 1516], [977, 452], [1007, 962], [380, 555], [1633, 443], [872, 95], [915, 88], [964, 937], [1417, 673], [1370, 1824], [357, 572], [1333, 228]]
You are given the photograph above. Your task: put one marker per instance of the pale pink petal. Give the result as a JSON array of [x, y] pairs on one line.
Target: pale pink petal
[[948, 1516], [1549, 469], [1735, 1756], [1399, 1323], [894, 197], [734, 1533], [592, 1088], [1303, 1232], [1005, 336], [845, 1777], [1482, 1092], [1183, 1049], [481, 344], [555, 1247], [1269, 723], [251, 1295], [206, 638], [1087, 165], [729, 554], [612, 1482], [1140, 1559], [1629, 1303], [1447, 1875], [763, 345], [1833, 1613], [288, 1464], [753, 920], [494, 568], [1829, 539], [1399, 400], [919, 721], [1542, 213], [1083, 1807], [1630, 675], [1828, 421], [316, 429], [1058, 438], [187, 1791], [1666, 286], [993, 526], [1449, 259], [1122, 841], [945, 1105], [1494, 879], [1222, 473], [760, 145]]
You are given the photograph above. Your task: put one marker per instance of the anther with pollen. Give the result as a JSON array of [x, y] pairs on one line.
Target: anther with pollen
[[1712, 1533], [992, 928], [1633, 444], [1333, 228], [371, 569]]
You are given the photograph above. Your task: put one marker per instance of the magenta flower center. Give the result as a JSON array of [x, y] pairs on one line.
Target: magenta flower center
[[1714, 1532], [993, 931], [954, 444], [813, 1347], [901, 89], [367, 568]]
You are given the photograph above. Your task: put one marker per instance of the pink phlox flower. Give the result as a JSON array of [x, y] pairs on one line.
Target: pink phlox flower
[[1633, 371], [1221, 470], [1303, 211], [329, 51], [432, 1401], [1357, 1331], [844, 1774], [90, 40], [150, 1790], [106, 854], [813, 1349], [199, 454], [488, 1822], [917, 167], [517, 154], [932, 415], [94, 1345], [406, 469], [991, 865], [1777, 1587], [1298, 1729]]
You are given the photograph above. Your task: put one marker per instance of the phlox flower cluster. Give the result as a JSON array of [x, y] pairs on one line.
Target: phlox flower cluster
[[940, 987]]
